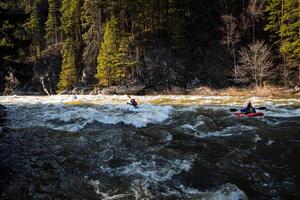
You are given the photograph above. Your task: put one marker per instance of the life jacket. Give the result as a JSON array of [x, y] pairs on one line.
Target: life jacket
[[249, 110]]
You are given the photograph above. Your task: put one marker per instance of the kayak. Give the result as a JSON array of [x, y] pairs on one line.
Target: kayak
[[249, 115]]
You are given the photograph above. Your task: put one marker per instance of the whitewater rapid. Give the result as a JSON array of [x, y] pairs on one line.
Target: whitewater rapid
[[68, 114], [150, 152]]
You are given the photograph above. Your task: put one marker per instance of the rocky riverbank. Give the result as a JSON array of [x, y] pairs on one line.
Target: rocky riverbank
[[141, 89]]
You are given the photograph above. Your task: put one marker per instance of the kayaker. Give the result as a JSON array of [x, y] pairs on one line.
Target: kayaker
[[133, 103], [248, 109]]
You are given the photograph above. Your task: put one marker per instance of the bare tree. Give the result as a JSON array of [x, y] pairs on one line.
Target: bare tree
[[255, 10], [255, 64], [232, 35]]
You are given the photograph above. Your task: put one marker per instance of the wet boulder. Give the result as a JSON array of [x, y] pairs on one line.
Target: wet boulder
[[163, 89], [82, 90], [109, 90], [134, 88]]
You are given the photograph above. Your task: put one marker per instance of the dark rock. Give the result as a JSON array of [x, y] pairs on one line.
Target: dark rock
[[65, 92], [96, 91], [163, 89], [82, 90], [133, 89], [109, 90]]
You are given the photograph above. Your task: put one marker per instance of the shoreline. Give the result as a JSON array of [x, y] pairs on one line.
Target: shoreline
[[266, 91]]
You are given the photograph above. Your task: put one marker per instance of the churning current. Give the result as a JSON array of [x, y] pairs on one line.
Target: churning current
[[170, 147]]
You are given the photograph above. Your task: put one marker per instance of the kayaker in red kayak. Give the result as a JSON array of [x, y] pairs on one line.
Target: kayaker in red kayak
[[249, 109]]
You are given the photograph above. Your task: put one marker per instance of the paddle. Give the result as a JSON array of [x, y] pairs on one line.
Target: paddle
[[129, 98], [260, 108]]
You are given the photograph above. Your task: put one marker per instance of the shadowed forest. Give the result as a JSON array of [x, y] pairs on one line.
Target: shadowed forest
[[51, 46]]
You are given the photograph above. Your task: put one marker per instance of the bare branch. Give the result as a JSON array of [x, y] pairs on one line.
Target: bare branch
[[255, 64]]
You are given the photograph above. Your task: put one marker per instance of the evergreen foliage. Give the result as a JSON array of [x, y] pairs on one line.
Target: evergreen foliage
[[114, 41], [71, 26], [108, 70], [290, 29], [53, 34], [68, 75], [92, 26], [284, 28], [273, 9], [35, 25]]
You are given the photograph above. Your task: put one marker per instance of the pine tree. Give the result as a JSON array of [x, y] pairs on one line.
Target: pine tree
[[68, 75], [53, 35], [274, 11], [71, 26], [290, 29], [35, 26], [92, 25], [284, 26], [107, 61], [126, 59]]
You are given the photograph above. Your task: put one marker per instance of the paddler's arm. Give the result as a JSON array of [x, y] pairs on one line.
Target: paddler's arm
[[243, 110]]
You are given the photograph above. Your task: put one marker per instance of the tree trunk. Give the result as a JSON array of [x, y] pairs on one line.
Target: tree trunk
[[298, 74], [44, 86], [253, 30], [234, 57]]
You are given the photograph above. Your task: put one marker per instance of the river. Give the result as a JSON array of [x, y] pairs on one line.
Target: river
[[170, 147]]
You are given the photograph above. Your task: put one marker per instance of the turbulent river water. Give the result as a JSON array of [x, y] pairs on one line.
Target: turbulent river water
[[170, 147]]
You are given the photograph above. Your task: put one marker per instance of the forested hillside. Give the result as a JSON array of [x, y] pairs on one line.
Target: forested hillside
[[54, 45]]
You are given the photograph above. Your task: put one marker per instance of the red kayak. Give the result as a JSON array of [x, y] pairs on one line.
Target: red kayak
[[249, 115]]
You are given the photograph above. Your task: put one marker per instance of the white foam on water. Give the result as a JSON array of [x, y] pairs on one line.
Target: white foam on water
[[228, 131], [188, 126], [75, 118], [141, 190], [192, 127], [225, 192], [270, 142], [257, 138], [52, 112], [187, 109], [106, 196], [151, 170], [164, 100], [282, 113], [95, 184]]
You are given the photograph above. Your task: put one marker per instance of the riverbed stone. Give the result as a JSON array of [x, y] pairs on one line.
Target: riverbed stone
[[133, 89], [109, 90]]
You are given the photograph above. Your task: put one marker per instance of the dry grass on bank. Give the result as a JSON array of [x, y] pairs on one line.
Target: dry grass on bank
[[265, 91]]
